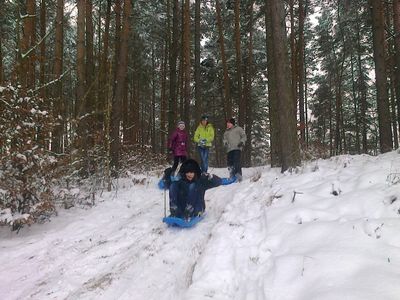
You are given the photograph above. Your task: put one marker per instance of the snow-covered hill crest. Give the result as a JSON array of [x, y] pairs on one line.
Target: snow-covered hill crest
[[328, 231]]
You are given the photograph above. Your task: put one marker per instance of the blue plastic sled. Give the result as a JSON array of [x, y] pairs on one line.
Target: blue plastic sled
[[179, 222]]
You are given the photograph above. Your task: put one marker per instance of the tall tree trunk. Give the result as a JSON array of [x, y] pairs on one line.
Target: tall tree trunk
[[227, 94], [339, 137], [31, 33], [27, 52], [174, 50], [1, 42], [393, 112], [57, 142], [248, 100], [392, 75], [331, 130], [197, 67], [152, 124], [42, 59], [120, 84], [287, 115], [163, 100], [239, 63], [104, 66], [378, 33], [80, 54], [135, 110], [361, 82], [164, 83], [117, 39], [396, 26], [1, 58], [273, 100], [301, 73], [293, 57], [356, 108], [186, 62], [90, 101], [127, 124]]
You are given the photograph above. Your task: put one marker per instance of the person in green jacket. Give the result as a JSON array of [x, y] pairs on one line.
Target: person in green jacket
[[203, 137]]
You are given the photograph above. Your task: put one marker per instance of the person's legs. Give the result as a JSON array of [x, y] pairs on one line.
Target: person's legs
[[174, 200], [203, 153], [205, 159], [236, 162], [191, 200], [200, 150], [230, 163]]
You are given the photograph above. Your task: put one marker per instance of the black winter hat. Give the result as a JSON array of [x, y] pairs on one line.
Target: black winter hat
[[204, 117], [190, 165], [232, 121]]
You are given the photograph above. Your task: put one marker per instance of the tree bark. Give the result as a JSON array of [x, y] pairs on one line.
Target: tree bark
[[301, 73], [293, 53], [273, 102], [362, 86], [42, 58], [248, 100], [27, 52], [90, 101], [174, 50], [239, 63], [104, 73], [186, 62], [378, 34], [80, 54], [57, 142], [117, 39], [31, 33], [120, 84], [227, 94], [392, 75], [1, 43], [197, 67], [290, 153], [396, 26]]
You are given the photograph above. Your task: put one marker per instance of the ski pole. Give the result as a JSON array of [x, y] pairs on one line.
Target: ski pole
[[165, 204]]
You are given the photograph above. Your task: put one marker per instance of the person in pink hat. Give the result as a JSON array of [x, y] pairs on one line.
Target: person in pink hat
[[177, 144]]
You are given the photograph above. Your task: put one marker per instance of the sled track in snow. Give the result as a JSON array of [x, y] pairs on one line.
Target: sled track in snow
[[177, 250], [127, 253]]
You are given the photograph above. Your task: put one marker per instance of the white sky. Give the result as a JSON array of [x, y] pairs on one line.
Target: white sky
[[257, 241]]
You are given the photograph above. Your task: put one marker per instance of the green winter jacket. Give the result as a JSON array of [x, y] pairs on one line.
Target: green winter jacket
[[234, 138], [204, 132]]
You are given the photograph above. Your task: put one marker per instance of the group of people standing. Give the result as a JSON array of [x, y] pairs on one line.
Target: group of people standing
[[187, 189], [233, 140]]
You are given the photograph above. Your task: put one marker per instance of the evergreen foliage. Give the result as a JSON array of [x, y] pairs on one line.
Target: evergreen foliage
[[26, 169]]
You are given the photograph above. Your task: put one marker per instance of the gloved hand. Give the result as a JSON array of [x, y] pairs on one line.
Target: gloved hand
[[240, 145], [175, 178], [203, 142], [161, 184], [208, 175]]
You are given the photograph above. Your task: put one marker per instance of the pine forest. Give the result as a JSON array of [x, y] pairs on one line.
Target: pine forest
[[91, 90]]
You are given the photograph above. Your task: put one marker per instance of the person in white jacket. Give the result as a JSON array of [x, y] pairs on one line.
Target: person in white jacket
[[234, 139]]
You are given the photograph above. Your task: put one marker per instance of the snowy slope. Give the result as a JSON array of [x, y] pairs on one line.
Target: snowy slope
[[273, 236]]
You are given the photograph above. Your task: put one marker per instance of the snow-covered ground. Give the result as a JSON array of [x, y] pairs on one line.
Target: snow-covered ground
[[329, 231]]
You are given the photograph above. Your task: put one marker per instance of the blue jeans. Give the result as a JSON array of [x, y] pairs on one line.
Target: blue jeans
[[203, 152]]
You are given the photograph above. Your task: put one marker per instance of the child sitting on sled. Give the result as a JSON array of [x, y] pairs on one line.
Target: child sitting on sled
[[186, 191]]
